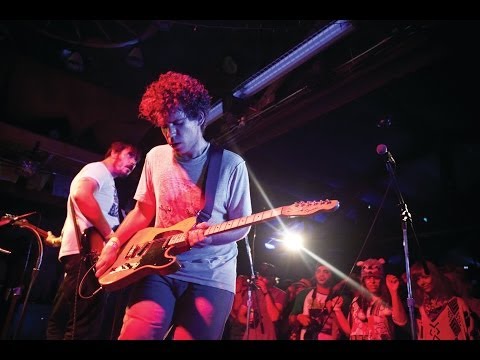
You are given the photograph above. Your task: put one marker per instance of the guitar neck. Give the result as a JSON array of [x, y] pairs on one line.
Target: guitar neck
[[302, 208], [180, 239], [26, 224], [244, 221]]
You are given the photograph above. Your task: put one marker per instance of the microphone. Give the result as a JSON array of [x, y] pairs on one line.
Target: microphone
[[20, 217], [3, 251], [382, 150], [9, 219]]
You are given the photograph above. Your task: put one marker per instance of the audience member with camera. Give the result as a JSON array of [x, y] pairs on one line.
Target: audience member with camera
[[318, 310], [267, 303]]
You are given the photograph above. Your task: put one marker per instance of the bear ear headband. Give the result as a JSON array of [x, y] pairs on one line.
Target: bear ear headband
[[371, 267], [381, 261]]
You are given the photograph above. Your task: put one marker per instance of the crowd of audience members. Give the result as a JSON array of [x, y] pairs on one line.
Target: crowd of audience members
[[370, 303]]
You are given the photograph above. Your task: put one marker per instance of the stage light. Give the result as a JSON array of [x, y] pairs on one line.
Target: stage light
[[289, 241], [292, 241], [216, 111], [269, 245], [294, 58], [287, 62]]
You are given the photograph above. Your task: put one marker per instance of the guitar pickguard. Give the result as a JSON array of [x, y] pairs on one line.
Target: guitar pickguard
[[150, 253]]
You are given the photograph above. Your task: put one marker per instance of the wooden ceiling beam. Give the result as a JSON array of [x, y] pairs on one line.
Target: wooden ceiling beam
[[14, 135]]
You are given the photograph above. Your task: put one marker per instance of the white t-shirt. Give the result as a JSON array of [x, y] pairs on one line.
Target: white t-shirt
[[107, 198]]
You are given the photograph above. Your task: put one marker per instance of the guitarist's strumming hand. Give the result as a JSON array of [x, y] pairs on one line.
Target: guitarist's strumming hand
[[107, 256], [196, 236]]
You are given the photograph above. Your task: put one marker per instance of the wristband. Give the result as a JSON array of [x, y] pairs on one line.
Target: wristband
[[113, 242]]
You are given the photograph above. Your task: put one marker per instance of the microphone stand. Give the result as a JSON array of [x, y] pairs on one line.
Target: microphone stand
[[406, 218], [251, 282], [35, 272], [16, 292]]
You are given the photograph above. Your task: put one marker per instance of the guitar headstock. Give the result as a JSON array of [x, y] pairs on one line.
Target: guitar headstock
[[304, 208]]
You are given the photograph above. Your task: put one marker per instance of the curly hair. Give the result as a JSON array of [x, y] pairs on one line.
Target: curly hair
[[171, 92]]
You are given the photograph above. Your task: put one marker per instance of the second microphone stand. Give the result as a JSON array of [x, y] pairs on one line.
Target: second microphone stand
[[406, 218], [251, 282]]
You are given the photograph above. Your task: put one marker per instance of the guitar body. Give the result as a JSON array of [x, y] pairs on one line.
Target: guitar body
[[149, 251], [92, 243]]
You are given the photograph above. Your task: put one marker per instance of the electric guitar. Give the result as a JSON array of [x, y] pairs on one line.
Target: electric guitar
[[92, 241], [20, 221], [25, 224], [153, 250]]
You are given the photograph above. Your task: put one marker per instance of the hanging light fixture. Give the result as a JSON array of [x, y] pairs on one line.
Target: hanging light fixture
[[287, 62]]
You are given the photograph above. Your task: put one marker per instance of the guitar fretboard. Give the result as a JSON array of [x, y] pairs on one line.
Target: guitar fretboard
[[301, 208], [177, 239], [244, 221], [230, 225]]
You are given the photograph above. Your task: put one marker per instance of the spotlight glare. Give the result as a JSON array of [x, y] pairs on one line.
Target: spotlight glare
[[292, 241]]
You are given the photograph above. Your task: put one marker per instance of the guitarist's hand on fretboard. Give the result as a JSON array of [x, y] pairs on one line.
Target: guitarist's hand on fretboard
[[196, 236]]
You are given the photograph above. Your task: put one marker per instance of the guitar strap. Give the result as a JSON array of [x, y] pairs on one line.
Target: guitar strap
[[75, 224], [214, 161]]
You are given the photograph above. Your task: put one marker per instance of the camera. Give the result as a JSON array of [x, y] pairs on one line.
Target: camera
[[254, 318], [317, 314], [316, 325]]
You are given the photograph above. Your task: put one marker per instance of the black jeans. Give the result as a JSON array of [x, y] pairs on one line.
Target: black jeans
[[73, 317]]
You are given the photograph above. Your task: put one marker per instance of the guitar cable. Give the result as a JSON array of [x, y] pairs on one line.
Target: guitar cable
[[81, 284], [78, 293]]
